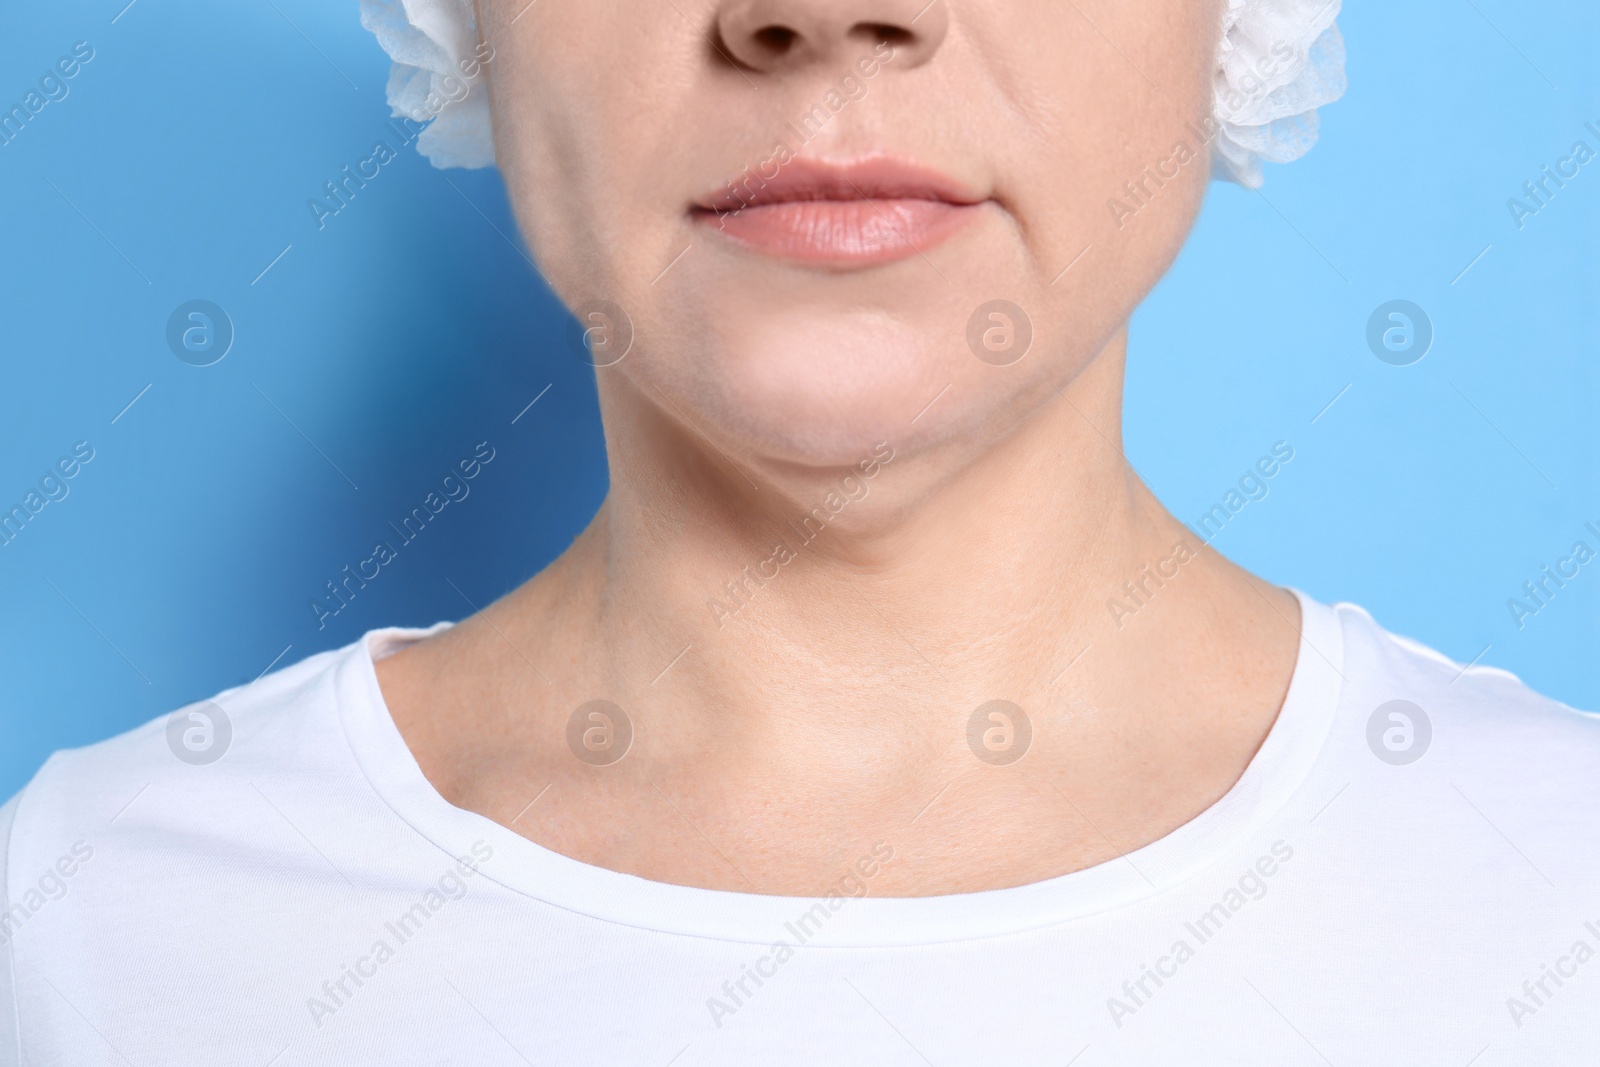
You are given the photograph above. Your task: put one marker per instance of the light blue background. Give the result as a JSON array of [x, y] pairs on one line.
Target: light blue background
[[412, 327]]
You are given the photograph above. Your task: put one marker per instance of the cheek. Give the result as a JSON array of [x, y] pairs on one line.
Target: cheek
[[1119, 164], [1110, 193], [582, 146], [547, 153]]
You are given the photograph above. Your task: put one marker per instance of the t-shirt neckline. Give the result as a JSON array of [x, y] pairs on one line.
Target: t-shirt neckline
[[1272, 776]]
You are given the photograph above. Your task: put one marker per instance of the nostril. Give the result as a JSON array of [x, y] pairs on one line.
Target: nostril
[[777, 36], [885, 33], [776, 40]]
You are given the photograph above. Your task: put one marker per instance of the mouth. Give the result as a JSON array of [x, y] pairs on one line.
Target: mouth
[[854, 214]]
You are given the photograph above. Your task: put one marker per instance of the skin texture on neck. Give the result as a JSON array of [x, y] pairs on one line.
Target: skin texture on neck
[[775, 743]]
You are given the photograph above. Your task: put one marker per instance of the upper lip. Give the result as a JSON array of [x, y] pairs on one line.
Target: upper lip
[[872, 178]]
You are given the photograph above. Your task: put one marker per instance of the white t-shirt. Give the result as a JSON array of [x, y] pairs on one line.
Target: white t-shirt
[[1387, 884]]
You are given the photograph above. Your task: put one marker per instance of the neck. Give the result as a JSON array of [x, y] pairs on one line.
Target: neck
[[807, 662], [888, 596]]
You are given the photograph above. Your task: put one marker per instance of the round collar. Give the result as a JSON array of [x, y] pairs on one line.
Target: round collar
[[1272, 776]]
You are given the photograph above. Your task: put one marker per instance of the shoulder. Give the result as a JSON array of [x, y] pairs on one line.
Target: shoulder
[[179, 777], [1423, 724], [1475, 700]]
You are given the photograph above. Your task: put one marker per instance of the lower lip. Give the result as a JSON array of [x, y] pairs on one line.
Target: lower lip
[[843, 232]]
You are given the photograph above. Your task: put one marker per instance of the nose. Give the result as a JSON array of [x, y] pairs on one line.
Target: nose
[[774, 36]]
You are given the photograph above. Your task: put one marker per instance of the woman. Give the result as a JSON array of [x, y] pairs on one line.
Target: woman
[[882, 714]]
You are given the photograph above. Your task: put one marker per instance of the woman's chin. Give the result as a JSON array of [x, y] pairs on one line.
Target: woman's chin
[[827, 392]]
